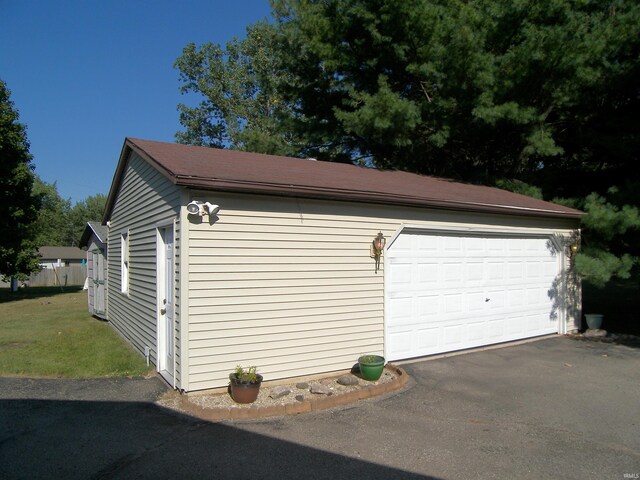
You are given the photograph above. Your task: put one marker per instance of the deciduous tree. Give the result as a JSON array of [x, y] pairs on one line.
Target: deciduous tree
[[240, 104], [18, 207]]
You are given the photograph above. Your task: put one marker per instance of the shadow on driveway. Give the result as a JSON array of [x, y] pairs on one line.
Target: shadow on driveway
[[108, 439], [552, 408]]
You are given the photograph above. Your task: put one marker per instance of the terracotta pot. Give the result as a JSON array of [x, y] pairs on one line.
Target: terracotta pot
[[244, 392]]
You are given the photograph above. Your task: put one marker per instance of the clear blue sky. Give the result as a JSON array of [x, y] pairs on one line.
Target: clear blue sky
[[85, 74]]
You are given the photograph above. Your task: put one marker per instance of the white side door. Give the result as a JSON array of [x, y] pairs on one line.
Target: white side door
[[166, 296]]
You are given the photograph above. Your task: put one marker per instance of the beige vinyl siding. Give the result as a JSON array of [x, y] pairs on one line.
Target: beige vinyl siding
[[146, 201], [288, 284]]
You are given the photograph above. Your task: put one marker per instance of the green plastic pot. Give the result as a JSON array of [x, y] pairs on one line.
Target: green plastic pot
[[371, 367], [594, 320]]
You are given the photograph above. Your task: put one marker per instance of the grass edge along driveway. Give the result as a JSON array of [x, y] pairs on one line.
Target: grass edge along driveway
[[48, 332]]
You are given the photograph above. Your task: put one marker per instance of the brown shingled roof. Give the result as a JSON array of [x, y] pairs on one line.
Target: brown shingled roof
[[230, 170]]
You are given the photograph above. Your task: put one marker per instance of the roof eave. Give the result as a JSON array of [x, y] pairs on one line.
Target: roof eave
[[368, 197]]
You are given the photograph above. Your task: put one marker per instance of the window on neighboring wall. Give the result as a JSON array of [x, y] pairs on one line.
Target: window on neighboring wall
[[124, 263]]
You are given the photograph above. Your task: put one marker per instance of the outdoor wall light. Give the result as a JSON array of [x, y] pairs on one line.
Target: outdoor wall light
[[201, 208], [571, 245], [377, 246]]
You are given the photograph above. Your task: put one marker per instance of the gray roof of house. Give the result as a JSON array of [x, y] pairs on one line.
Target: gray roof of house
[[96, 228], [64, 253]]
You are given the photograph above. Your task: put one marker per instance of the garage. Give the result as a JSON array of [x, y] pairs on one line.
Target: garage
[[300, 267], [448, 291]]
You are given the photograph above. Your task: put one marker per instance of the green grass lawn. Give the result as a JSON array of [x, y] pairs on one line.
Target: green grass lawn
[[47, 332]]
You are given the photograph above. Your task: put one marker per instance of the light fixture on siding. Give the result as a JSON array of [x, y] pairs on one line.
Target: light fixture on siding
[[377, 246], [571, 245], [201, 208]]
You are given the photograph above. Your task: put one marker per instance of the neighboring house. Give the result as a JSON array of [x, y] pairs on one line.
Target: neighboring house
[[282, 277], [54, 257], [94, 239]]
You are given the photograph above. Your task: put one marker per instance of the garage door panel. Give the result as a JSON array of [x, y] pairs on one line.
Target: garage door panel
[[475, 246], [451, 272], [400, 345], [452, 245], [400, 275], [452, 303], [515, 270], [534, 270], [495, 271], [428, 306], [516, 326], [515, 298], [495, 299], [449, 292], [496, 246], [427, 339], [453, 336], [476, 331], [427, 246], [496, 329], [475, 271], [428, 273], [402, 311], [474, 302]]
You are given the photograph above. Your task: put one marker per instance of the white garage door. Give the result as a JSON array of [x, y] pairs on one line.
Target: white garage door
[[447, 292]]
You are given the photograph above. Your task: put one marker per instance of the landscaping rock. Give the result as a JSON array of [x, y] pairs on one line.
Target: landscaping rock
[[300, 398], [320, 389], [302, 386], [279, 392], [347, 380], [595, 332]]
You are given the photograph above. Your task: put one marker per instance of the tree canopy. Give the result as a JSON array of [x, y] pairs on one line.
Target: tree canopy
[[472, 90], [241, 105], [18, 207], [59, 223], [537, 96]]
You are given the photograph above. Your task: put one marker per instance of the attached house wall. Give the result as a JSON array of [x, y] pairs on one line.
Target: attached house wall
[[288, 284], [146, 201]]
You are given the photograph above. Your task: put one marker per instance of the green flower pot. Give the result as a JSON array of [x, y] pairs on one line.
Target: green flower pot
[[371, 367], [594, 320]]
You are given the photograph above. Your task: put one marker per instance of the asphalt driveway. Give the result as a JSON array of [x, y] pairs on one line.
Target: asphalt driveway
[[556, 408]]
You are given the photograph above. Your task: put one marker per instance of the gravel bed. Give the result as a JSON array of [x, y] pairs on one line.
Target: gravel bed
[[299, 391]]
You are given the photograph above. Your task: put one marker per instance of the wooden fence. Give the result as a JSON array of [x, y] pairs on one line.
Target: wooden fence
[[64, 276]]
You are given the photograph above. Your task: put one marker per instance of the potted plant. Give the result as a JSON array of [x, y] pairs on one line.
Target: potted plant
[[371, 367], [244, 384], [594, 320]]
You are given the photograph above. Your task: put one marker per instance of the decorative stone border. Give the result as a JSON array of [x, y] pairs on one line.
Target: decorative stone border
[[251, 412]]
